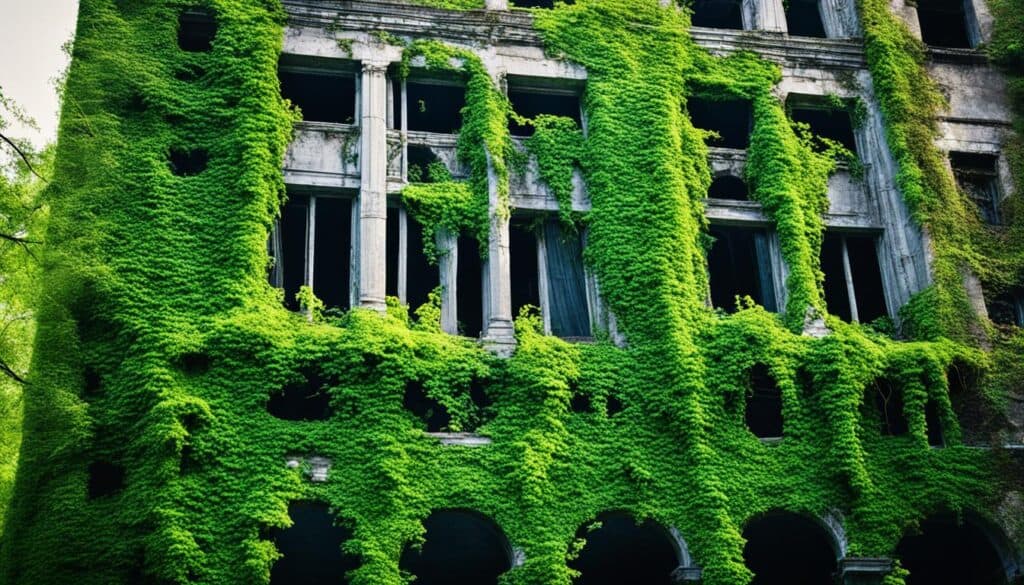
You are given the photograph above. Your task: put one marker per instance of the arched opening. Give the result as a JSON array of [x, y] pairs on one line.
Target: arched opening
[[618, 550], [946, 551], [311, 548], [729, 187], [460, 548], [784, 548]]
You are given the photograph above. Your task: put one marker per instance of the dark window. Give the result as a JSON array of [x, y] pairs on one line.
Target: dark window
[[567, 284], [187, 163], [729, 187], [459, 548], [524, 272], [288, 248], [933, 422], [424, 165], [531, 103], [944, 23], [196, 31], [1006, 308], [322, 96], [717, 14], [739, 265], [469, 288], [535, 3], [888, 403], [977, 176], [396, 97], [332, 253], [421, 277], [852, 259], [977, 561], [834, 124], [731, 119], [784, 548], [764, 405], [613, 405], [392, 245], [311, 548], [93, 382], [194, 363], [803, 19], [105, 479], [304, 401], [622, 551], [431, 413], [435, 108]]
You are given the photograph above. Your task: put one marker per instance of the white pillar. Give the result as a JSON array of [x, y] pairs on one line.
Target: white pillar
[[373, 204], [766, 15], [499, 335], [496, 4]]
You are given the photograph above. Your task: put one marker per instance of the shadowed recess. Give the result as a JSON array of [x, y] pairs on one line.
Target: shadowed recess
[[945, 552], [788, 549], [618, 551], [311, 548], [460, 548]]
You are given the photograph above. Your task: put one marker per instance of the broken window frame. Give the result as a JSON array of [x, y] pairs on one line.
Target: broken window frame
[[419, 78], [547, 86], [326, 68], [848, 277], [702, 98], [744, 22], [771, 261], [544, 284], [821, 18], [969, 20], [990, 213], [825, 103]]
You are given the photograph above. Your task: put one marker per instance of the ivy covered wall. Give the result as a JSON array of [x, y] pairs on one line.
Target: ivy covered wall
[[160, 342]]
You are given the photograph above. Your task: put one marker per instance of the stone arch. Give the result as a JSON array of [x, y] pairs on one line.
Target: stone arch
[[618, 549], [460, 547], [976, 550], [784, 547]]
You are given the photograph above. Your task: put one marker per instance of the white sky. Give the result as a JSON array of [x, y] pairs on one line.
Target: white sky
[[31, 35]]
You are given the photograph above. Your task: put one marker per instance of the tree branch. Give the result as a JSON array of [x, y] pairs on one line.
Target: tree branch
[[17, 240], [5, 369], [24, 157]]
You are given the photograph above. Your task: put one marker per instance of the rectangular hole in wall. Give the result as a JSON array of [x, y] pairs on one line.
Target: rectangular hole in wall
[[977, 176], [717, 14], [421, 277], [933, 424], [837, 298], [469, 288], [834, 124], [333, 251], [393, 252], [524, 272], [567, 284], [435, 107], [396, 102], [739, 264], [888, 401], [864, 272], [1006, 308], [803, 19], [731, 119], [531, 102], [323, 96], [944, 23], [290, 262]]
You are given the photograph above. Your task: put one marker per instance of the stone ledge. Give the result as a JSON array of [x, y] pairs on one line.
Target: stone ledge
[[461, 439]]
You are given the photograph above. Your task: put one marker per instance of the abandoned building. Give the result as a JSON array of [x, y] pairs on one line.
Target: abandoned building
[[408, 395]]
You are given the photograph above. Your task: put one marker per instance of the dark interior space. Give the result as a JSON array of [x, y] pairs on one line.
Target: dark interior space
[[421, 277], [188, 163], [567, 283], [933, 424], [460, 548], [290, 262], [432, 413], [93, 382], [105, 479], [622, 551], [435, 108], [469, 288], [1006, 308], [196, 30], [396, 100], [322, 96], [303, 401], [888, 404], [729, 187], [194, 363], [580, 403], [392, 251], [333, 251], [944, 23], [947, 553], [717, 14], [803, 19], [788, 549], [833, 124], [524, 272], [731, 119], [420, 159], [977, 175], [311, 548], [613, 405], [867, 278], [535, 3], [836, 298], [533, 103], [734, 268], [764, 404]]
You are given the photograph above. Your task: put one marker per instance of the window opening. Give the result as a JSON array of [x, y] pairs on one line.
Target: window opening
[[332, 246], [1006, 308], [731, 119], [613, 405], [323, 96], [311, 548], [304, 401], [196, 30], [888, 402], [853, 278], [524, 271], [729, 187], [803, 19], [469, 288], [431, 413], [831, 123], [624, 551], [784, 548], [188, 163], [435, 107], [567, 284], [288, 249], [396, 102], [739, 264], [977, 175], [394, 253], [944, 23], [717, 14], [941, 537], [764, 405], [536, 3], [93, 382], [424, 166], [530, 103], [459, 548], [933, 422], [580, 403], [105, 479], [194, 363], [421, 277]]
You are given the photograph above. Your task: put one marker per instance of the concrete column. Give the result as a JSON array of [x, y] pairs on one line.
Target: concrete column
[[766, 15], [907, 10], [864, 570], [496, 4], [499, 335], [448, 268], [373, 204]]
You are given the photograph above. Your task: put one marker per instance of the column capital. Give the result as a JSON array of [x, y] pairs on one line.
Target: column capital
[[376, 67]]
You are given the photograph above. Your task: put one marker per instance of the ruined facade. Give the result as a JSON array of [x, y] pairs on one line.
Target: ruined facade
[[400, 411]]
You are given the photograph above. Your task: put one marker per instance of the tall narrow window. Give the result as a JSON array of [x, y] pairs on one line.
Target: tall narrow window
[[853, 278], [731, 119], [933, 424], [718, 14], [567, 285], [945, 23], [435, 107], [532, 99], [333, 251], [288, 244], [977, 176], [321, 95], [888, 402], [410, 277], [469, 288], [803, 19], [523, 257], [764, 405], [739, 264]]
